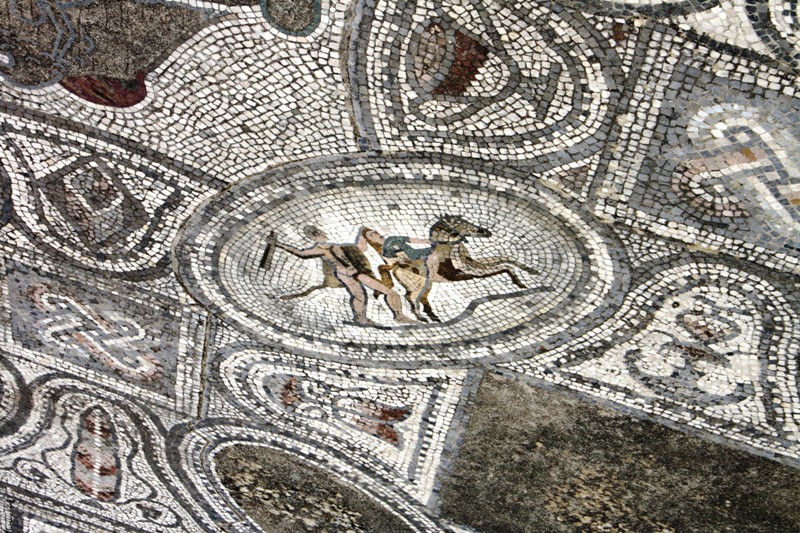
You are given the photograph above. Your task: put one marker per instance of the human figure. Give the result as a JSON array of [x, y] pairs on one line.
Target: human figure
[[351, 267], [397, 252], [398, 249]]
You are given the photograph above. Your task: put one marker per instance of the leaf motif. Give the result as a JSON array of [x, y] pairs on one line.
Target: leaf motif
[[95, 458], [95, 203]]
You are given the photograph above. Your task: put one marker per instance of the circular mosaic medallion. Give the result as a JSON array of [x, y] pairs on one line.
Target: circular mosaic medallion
[[405, 260]]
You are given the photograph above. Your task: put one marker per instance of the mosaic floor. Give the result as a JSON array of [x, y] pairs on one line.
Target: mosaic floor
[[323, 265]]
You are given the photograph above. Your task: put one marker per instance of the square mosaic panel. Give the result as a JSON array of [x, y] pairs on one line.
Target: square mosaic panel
[[92, 328], [707, 154]]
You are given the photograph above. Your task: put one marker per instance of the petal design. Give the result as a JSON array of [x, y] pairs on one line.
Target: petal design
[[479, 78], [96, 464], [107, 91]]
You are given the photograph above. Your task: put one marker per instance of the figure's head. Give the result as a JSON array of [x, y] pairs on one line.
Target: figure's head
[[373, 238], [315, 234]]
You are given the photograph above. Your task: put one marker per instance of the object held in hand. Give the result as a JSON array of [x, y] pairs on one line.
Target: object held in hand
[[269, 251]]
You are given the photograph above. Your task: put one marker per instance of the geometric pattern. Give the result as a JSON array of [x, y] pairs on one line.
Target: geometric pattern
[[538, 84], [200, 446], [316, 235], [712, 352], [724, 172], [75, 324], [108, 475], [94, 204], [390, 421]]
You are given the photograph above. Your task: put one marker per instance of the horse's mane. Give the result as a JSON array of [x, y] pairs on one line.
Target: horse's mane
[[450, 222]]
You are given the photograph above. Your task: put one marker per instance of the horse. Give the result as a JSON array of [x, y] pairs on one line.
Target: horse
[[449, 260]]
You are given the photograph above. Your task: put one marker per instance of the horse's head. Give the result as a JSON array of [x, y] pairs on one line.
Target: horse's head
[[451, 228]]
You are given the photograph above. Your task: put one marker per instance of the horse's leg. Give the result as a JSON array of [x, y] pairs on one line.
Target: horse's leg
[[461, 259], [514, 278], [426, 306], [464, 276], [493, 265], [525, 268]]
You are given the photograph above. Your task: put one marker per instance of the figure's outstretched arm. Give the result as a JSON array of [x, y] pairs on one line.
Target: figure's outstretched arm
[[314, 251]]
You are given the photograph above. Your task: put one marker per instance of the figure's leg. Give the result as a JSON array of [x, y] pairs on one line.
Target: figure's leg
[[358, 299], [432, 265], [304, 293], [431, 269], [393, 299], [412, 282], [386, 277]]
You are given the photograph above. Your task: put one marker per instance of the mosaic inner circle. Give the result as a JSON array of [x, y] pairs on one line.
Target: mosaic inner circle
[[395, 260]]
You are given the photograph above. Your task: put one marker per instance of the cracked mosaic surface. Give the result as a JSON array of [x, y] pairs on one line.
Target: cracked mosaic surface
[[247, 235]]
